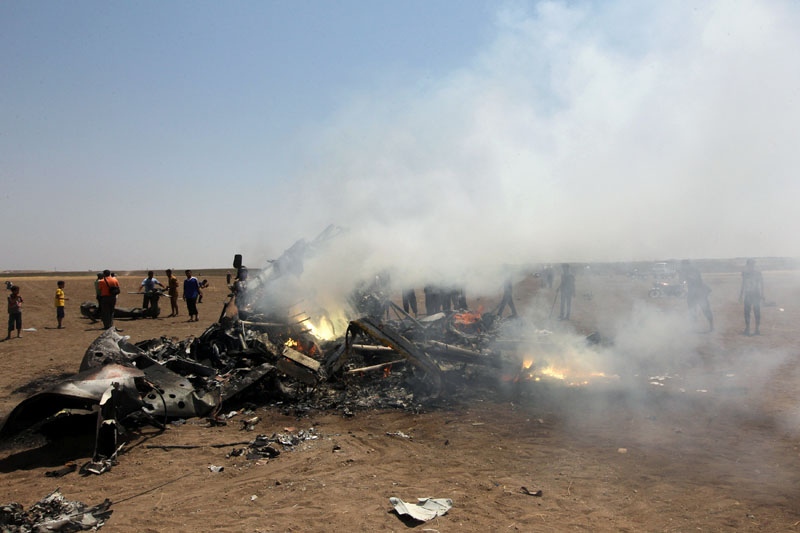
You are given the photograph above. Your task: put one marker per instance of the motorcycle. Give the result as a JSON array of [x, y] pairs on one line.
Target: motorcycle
[[661, 289]]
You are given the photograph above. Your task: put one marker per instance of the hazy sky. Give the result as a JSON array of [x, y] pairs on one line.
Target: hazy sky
[[154, 134]]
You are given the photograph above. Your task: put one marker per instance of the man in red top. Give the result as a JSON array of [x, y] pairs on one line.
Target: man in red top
[[109, 288]]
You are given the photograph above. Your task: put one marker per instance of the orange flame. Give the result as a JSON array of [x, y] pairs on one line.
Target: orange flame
[[467, 318], [308, 348]]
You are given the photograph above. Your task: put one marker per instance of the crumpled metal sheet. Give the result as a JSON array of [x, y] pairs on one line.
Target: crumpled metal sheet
[[82, 391], [110, 347], [237, 383], [176, 397], [54, 513], [424, 510]]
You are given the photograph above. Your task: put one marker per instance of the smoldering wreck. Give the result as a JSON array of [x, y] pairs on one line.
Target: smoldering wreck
[[290, 355]]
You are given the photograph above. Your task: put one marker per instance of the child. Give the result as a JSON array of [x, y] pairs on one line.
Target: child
[[14, 312], [60, 303], [203, 285]]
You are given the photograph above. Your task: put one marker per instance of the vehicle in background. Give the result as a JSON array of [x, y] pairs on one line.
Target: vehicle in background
[[664, 271], [662, 289]]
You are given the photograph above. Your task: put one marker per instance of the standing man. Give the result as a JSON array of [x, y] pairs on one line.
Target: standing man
[[109, 288], [172, 290], [60, 298], [445, 298], [753, 293], [97, 288], [697, 291], [548, 276], [508, 299], [410, 301], [191, 290], [148, 284], [432, 302], [567, 290], [460, 298]]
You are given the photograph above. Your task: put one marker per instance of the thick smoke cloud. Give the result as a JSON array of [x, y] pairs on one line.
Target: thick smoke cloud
[[584, 131]]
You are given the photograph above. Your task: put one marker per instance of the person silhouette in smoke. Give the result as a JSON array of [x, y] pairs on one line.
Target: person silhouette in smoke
[[508, 299], [432, 303], [567, 290], [697, 291], [752, 292], [410, 301]]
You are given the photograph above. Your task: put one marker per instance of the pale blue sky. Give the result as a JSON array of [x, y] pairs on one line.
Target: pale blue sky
[[442, 133], [159, 116]]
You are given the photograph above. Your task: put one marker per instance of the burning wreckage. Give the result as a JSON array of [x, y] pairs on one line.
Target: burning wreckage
[[294, 360]]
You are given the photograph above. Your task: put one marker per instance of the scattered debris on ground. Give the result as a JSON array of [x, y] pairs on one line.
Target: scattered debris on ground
[[54, 513]]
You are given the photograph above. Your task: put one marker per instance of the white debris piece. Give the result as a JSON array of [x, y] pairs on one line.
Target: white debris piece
[[424, 510]]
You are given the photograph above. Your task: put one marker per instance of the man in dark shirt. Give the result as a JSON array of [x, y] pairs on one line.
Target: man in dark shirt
[[191, 290], [752, 292], [697, 291], [432, 303]]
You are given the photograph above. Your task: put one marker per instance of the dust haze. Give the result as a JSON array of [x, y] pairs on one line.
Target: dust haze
[[613, 131]]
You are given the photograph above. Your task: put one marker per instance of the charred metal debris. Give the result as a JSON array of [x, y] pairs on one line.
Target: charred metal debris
[[54, 513], [401, 363], [384, 359]]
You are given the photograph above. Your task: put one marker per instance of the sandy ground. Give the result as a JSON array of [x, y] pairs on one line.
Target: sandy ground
[[717, 451]]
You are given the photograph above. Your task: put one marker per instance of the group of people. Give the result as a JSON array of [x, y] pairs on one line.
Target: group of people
[[751, 293], [437, 299], [565, 289], [15, 302], [192, 292], [107, 289]]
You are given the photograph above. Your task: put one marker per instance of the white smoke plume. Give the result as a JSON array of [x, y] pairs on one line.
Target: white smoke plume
[[584, 131]]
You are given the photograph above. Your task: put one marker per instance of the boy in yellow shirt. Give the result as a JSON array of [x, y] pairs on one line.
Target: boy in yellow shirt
[[60, 303]]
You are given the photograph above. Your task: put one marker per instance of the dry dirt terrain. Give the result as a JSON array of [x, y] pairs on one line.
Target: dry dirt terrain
[[704, 441]]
